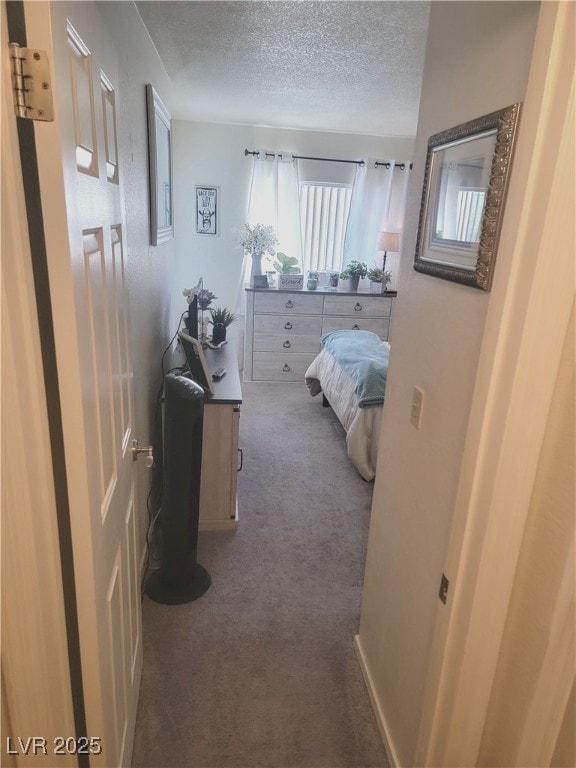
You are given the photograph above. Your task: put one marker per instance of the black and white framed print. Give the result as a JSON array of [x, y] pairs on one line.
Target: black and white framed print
[[206, 210]]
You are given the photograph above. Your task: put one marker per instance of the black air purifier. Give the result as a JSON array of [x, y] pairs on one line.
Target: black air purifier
[[180, 579]]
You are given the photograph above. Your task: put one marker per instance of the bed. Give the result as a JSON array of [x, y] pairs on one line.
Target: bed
[[350, 371]]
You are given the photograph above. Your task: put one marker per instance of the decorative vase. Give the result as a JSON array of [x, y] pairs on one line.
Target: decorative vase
[[353, 283], [256, 264], [377, 287], [333, 279], [218, 333]]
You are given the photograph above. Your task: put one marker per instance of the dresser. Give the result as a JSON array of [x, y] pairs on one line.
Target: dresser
[[221, 456], [283, 328]]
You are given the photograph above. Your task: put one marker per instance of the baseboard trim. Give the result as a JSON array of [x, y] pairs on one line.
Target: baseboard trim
[[380, 718], [218, 525]]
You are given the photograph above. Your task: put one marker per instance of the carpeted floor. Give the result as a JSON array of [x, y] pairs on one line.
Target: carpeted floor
[[261, 670]]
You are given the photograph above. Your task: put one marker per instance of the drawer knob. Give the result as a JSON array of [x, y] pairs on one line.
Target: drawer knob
[[355, 327], [289, 304], [358, 307], [288, 326], [286, 368], [286, 345]]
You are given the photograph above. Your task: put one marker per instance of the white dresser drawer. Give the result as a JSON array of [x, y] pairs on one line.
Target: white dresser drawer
[[287, 333], [358, 306], [378, 325], [288, 303], [272, 366], [274, 342], [288, 325]]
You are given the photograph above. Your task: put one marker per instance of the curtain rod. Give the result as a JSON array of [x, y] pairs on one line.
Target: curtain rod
[[361, 163]]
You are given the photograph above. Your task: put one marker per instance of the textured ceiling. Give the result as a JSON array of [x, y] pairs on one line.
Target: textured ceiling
[[339, 66]]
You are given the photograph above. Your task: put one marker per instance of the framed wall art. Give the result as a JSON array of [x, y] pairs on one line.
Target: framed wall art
[[465, 182], [160, 168], [206, 210]]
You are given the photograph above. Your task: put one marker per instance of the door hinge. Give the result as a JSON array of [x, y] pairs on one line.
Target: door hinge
[[31, 83]]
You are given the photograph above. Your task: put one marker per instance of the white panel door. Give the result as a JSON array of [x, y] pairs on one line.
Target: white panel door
[[81, 185]]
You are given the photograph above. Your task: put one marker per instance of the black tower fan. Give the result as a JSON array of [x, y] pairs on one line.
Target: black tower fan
[[180, 579]]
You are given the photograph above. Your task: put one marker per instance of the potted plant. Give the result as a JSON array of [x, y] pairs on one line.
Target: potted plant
[[220, 319], [289, 270], [353, 272], [379, 280]]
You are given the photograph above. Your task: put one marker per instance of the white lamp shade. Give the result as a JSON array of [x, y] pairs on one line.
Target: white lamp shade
[[388, 241]]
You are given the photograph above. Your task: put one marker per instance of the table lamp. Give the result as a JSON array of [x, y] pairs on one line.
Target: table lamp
[[387, 241]]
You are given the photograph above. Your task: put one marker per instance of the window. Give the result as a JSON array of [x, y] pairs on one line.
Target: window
[[323, 215], [470, 211]]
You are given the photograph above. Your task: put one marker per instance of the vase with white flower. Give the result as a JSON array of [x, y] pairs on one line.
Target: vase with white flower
[[257, 241]]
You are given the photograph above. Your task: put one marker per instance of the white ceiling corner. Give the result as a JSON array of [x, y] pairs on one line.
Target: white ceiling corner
[[345, 66]]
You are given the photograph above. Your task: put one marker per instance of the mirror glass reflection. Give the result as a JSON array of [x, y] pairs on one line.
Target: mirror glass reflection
[[461, 174], [463, 181], [163, 207]]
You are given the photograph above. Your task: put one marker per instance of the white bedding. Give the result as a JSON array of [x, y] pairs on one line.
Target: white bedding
[[362, 425]]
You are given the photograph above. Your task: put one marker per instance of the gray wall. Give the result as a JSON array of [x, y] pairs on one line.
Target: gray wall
[[477, 60]]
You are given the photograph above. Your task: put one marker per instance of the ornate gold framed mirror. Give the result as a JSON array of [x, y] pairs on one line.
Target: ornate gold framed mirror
[[465, 182]]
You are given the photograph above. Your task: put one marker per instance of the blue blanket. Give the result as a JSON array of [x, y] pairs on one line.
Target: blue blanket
[[365, 358]]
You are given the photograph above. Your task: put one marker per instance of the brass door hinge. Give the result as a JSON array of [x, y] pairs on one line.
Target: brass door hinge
[[31, 83]]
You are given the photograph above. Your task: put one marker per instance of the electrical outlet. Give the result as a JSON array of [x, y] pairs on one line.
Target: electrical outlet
[[417, 407]]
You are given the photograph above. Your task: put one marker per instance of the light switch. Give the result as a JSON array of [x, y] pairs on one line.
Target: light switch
[[417, 407]]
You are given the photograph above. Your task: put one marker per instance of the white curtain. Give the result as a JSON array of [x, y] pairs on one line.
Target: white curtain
[[274, 200], [377, 204]]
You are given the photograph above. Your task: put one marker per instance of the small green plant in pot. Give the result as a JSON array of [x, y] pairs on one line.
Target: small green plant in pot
[[220, 319], [289, 270], [353, 272], [379, 280], [286, 265]]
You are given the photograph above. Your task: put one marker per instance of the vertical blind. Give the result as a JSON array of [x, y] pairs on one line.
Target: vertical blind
[[323, 215], [470, 211]]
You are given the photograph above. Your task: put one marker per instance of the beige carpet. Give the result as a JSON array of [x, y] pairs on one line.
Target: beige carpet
[[261, 670]]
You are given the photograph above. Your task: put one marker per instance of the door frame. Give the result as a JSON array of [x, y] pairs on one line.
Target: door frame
[[526, 327], [39, 627]]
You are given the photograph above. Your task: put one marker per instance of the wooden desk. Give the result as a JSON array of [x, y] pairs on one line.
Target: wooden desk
[[221, 457]]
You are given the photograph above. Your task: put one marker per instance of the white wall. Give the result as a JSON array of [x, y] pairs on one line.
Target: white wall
[[148, 268], [206, 153], [477, 60]]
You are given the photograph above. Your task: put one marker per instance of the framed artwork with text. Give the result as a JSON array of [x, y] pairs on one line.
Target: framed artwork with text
[[206, 210]]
